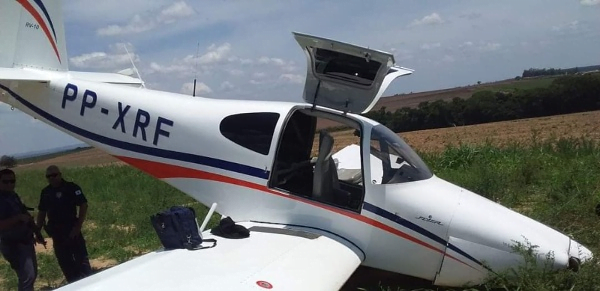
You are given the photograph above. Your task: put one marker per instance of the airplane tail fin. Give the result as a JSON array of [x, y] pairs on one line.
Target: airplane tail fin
[[32, 35]]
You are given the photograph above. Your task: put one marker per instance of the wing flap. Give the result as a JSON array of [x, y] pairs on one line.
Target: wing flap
[[274, 257]]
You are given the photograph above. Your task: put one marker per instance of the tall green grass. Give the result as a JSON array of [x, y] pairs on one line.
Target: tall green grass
[[556, 182]]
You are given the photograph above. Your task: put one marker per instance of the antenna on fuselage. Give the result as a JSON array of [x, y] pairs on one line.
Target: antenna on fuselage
[[196, 70]]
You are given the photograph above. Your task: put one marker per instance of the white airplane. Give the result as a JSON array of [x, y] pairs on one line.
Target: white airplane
[[312, 221]]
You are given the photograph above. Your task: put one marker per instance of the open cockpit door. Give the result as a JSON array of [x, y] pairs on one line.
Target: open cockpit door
[[346, 77]]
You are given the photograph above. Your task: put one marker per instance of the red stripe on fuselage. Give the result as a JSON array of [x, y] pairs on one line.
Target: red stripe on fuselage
[[41, 22], [163, 171]]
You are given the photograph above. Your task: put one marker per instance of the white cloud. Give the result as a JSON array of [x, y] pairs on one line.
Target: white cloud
[[428, 46], [573, 25], [466, 44], [176, 10], [431, 19], [292, 78], [173, 68], [139, 23], [246, 61], [201, 88], [225, 86], [266, 60], [589, 2], [215, 54], [186, 66], [489, 46], [235, 72], [116, 58], [255, 82], [481, 46], [258, 75], [135, 25]]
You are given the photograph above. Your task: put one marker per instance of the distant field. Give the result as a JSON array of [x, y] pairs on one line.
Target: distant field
[[391, 103], [431, 140], [39, 158], [85, 157], [413, 99]]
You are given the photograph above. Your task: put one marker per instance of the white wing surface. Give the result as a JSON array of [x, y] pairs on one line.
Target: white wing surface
[[274, 257]]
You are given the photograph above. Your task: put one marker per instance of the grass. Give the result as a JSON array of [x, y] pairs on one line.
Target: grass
[[556, 182]]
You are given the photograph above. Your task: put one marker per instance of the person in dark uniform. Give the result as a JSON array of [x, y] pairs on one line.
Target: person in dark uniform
[[59, 201], [16, 236]]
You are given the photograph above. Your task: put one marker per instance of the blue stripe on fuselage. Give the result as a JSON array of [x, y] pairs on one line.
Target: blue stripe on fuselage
[[405, 223], [168, 154]]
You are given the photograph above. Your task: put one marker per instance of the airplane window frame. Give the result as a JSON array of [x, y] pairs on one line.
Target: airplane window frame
[[341, 58], [273, 182], [390, 144], [242, 127]]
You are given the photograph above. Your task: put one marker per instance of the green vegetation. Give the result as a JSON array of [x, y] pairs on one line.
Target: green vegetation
[[568, 94], [556, 182], [533, 72], [523, 84], [8, 162]]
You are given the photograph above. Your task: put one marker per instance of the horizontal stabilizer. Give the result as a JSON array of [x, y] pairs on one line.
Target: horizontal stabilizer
[[17, 74], [112, 78]]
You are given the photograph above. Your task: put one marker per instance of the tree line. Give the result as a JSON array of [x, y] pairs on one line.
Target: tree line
[[534, 72], [568, 94], [8, 162]]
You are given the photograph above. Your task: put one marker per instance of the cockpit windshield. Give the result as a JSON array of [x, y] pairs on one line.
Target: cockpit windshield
[[393, 161]]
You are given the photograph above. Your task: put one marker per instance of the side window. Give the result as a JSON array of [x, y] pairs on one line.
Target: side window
[[253, 131], [392, 159]]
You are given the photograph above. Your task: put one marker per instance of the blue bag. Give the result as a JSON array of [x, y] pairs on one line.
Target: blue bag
[[177, 228]]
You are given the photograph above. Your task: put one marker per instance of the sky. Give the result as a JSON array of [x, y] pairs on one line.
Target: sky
[[245, 49]]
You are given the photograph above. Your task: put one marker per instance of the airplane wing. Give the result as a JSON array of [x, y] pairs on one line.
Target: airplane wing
[[276, 257]]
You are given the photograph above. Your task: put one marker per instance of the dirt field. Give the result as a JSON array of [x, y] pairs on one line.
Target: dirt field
[[87, 157], [499, 133]]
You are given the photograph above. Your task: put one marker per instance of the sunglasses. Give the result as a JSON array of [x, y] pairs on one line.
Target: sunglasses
[[51, 175], [9, 181]]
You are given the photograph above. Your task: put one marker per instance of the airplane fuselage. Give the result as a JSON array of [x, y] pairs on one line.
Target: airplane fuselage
[[424, 228]]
